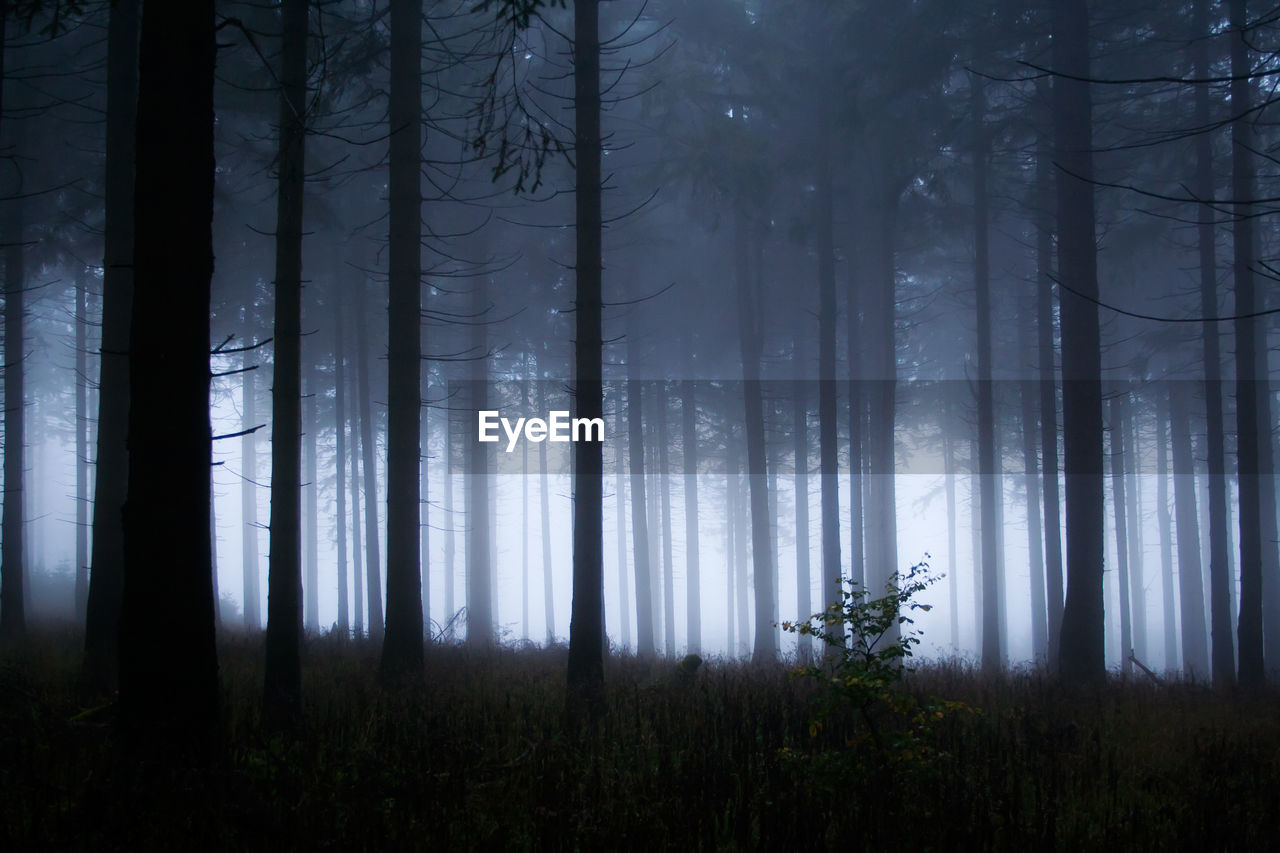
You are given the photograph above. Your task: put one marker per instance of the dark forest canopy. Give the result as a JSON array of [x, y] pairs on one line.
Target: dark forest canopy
[[850, 286]]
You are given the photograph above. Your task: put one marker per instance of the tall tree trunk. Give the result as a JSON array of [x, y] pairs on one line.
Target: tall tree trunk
[[1251, 393], [1195, 645], [1082, 650], [252, 599], [544, 476], [12, 551], [639, 517], [800, 438], [991, 656], [1137, 582], [730, 523], [1048, 408], [357, 552], [620, 491], [828, 449], [82, 446], [750, 332], [655, 524], [1028, 393], [106, 577], [311, 509], [741, 526], [1118, 408], [167, 658], [402, 647], [949, 485], [524, 507], [664, 483], [692, 573], [857, 418], [369, 466], [1165, 522], [340, 458], [283, 675], [480, 627]]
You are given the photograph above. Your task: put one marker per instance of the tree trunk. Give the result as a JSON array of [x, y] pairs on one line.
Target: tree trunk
[[828, 450], [82, 447], [1028, 393], [111, 478], [664, 484], [800, 437], [12, 550], [548, 587], [639, 518], [1082, 649], [167, 658], [730, 523], [451, 520], [357, 552], [311, 509], [480, 627], [369, 465], [1137, 582], [693, 578], [252, 601], [1195, 646], [283, 675], [1165, 523], [620, 489], [741, 526], [402, 647], [340, 458], [1118, 408], [524, 508]]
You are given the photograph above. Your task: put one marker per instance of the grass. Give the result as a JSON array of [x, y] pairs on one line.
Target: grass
[[479, 757]]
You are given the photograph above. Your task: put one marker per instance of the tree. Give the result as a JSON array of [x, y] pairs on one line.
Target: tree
[[1081, 650], [282, 688], [402, 647], [168, 663]]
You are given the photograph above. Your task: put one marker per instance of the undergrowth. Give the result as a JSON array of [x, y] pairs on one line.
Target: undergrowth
[[721, 758]]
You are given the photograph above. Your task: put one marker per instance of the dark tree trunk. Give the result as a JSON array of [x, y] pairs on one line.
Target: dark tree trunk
[[730, 523], [450, 525], [12, 551], [828, 449], [111, 478], [1165, 522], [1118, 408], [1251, 391], [857, 418], [1082, 650], [480, 625], [1195, 645], [1048, 408], [1133, 517], [524, 508], [340, 457], [548, 588], [283, 675], [693, 578], [639, 518], [168, 662], [357, 552], [800, 451], [249, 494], [369, 466], [1223, 650], [1028, 394], [949, 479], [402, 647], [991, 656], [82, 447], [620, 493], [311, 509], [741, 526], [664, 483]]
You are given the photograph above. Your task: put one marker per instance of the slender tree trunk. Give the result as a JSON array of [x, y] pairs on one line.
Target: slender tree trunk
[[655, 524], [82, 447], [424, 529], [369, 464], [1048, 408], [548, 587], [991, 657], [949, 477], [357, 552], [1133, 517], [249, 494], [1118, 408], [106, 577], [12, 551], [340, 458], [857, 417], [741, 527], [639, 520], [283, 675], [828, 449], [693, 577], [402, 648], [664, 483], [620, 490], [800, 437], [1195, 645], [451, 520], [311, 509], [167, 658], [524, 508], [730, 525], [1028, 393], [480, 627], [1165, 523], [1082, 650]]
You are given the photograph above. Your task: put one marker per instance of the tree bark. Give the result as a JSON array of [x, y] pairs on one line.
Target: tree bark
[[664, 484], [13, 549], [252, 598], [369, 466], [693, 577], [828, 449], [800, 439], [1121, 530], [544, 476], [1195, 645], [620, 490], [167, 660], [639, 516], [340, 457], [283, 674], [1082, 651], [357, 552], [82, 446], [1165, 522], [402, 654], [480, 627]]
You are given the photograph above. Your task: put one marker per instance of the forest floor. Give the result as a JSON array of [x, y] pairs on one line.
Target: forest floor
[[728, 757]]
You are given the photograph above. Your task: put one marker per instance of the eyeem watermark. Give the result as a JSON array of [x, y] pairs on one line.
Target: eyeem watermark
[[557, 427]]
